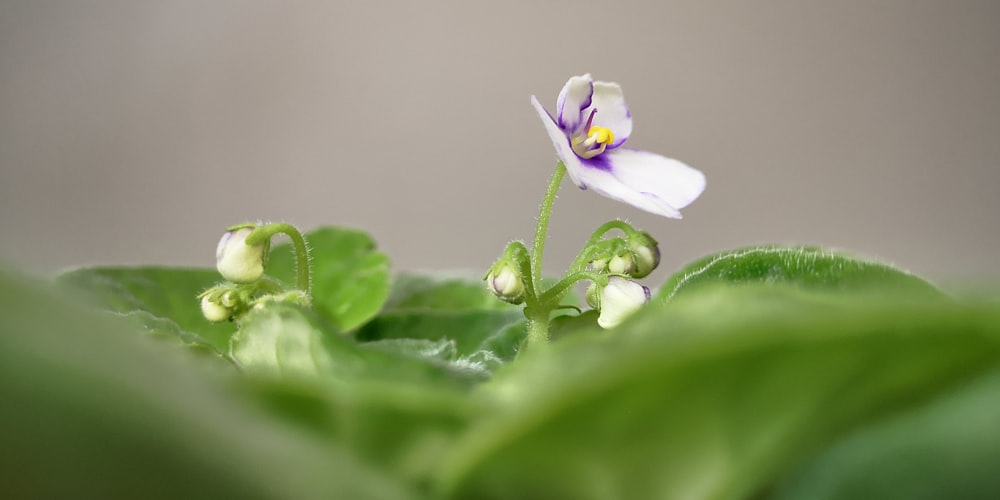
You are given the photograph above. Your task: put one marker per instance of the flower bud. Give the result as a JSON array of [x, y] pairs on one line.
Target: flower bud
[[215, 311], [599, 265], [504, 280], [237, 261], [620, 299], [593, 296], [621, 264], [646, 252]]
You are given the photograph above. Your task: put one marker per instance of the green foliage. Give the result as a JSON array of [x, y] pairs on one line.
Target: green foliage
[[948, 449], [350, 278], [714, 396], [458, 310], [91, 411], [769, 373], [165, 295], [807, 267]]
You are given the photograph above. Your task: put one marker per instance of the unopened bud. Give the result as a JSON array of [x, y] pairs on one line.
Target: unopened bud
[[215, 311], [236, 260], [599, 265], [504, 280], [593, 295], [647, 254], [621, 264], [619, 300]]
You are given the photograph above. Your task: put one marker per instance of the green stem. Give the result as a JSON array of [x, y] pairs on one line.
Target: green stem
[[552, 295], [598, 233], [542, 228], [517, 252], [594, 244], [265, 233], [536, 311], [538, 329]]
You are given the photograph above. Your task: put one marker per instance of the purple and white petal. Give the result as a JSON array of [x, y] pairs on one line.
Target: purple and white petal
[[612, 112], [563, 148], [647, 181], [666, 180], [574, 97], [596, 174]]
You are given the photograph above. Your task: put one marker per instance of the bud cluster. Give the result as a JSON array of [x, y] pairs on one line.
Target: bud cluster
[[240, 258], [636, 256], [621, 260]]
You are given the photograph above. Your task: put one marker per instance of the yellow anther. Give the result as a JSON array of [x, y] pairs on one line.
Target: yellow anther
[[601, 135]]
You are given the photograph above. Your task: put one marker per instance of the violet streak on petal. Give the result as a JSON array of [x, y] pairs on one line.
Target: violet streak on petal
[[574, 98], [612, 112]]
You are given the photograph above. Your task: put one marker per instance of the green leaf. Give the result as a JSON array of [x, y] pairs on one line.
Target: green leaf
[[283, 340], [350, 278], [412, 291], [459, 311], [399, 406], [569, 324], [714, 395], [469, 329], [947, 449], [161, 292], [92, 410], [807, 267]]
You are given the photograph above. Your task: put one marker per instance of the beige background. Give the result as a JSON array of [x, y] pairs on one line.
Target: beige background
[[134, 131]]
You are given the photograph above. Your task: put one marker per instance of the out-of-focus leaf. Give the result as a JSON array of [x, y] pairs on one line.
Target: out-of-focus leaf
[[949, 448], [569, 324], [714, 395], [807, 267], [399, 405], [283, 340], [91, 410], [160, 292], [350, 277]]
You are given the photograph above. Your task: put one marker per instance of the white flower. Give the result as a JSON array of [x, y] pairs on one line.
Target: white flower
[[619, 300], [592, 123], [237, 261]]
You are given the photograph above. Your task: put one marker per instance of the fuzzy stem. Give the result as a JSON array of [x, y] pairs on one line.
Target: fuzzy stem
[[538, 312], [266, 232], [542, 228], [553, 294]]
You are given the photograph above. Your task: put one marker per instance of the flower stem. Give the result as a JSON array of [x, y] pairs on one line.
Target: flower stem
[[542, 228], [537, 312], [303, 282], [552, 295], [538, 329]]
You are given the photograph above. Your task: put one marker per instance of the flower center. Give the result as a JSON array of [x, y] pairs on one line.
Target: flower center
[[594, 141]]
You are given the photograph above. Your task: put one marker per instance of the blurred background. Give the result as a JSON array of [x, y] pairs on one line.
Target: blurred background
[[134, 132]]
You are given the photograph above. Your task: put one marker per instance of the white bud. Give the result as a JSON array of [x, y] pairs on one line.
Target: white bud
[[619, 300], [599, 265], [228, 299], [213, 311], [237, 261], [621, 264], [505, 282]]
